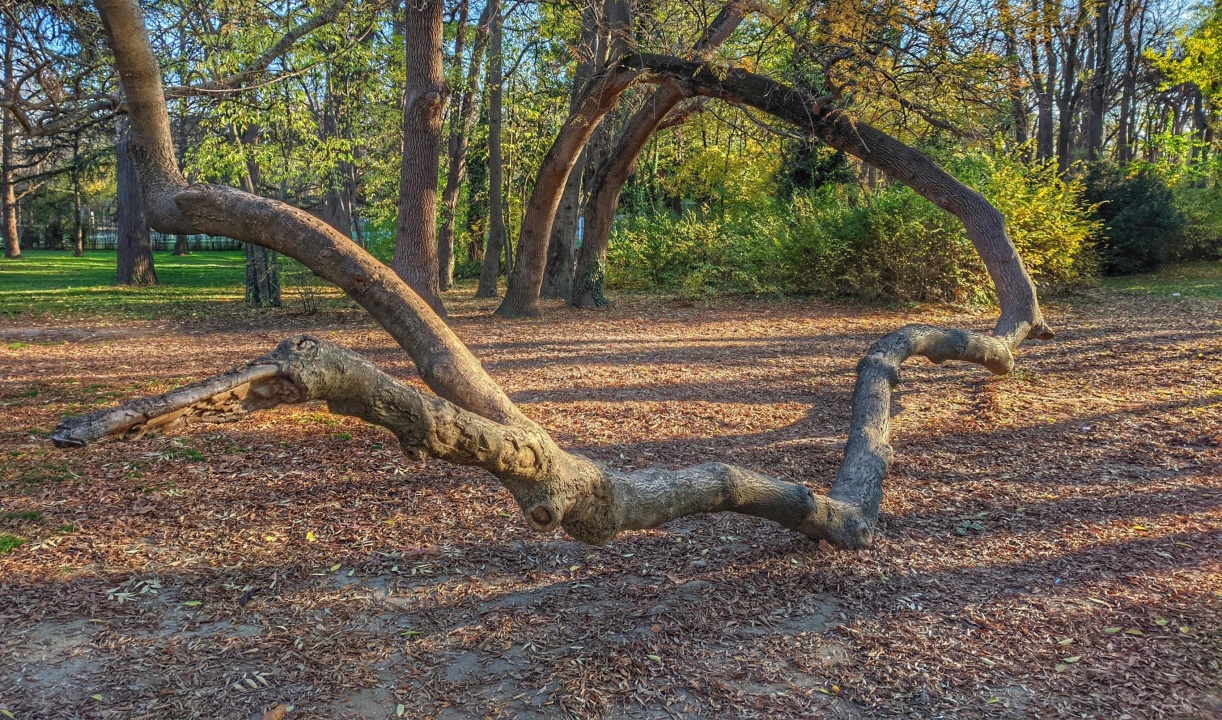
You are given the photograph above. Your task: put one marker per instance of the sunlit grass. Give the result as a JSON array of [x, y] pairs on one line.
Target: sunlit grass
[[56, 284], [1198, 279]]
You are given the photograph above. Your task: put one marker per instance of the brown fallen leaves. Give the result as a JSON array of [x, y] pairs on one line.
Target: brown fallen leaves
[[297, 557]]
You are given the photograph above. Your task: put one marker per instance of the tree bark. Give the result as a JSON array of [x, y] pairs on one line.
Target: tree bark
[[8, 190], [608, 182], [1071, 89], [474, 423], [415, 255], [591, 51], [460, 132], [526, 278], [131, 224], [491, 269], [182, 245], [985, 226], [78, 222]]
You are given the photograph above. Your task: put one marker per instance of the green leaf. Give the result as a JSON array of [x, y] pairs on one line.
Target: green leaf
[[988, 662], [399, 710], [97, 697], [1133, 631], [193, 603], [1161, 622], [1064, 642], [655, 658], [1073, 659], [7, 714], [336, 566], [1061, 668], [1111, 630], [993, 700]]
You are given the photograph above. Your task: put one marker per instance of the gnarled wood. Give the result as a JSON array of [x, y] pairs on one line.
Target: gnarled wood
[[474, 423]]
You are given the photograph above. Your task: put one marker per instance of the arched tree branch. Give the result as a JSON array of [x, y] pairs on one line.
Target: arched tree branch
[[473, 422]]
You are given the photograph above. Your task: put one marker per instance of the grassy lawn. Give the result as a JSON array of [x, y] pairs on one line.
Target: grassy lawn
[[1197, 279], [56, 284]]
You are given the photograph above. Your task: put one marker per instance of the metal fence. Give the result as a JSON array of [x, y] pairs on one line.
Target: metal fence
[[106, 237]]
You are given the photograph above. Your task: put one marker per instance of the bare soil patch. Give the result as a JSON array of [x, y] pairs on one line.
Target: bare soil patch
[[1051, 541]]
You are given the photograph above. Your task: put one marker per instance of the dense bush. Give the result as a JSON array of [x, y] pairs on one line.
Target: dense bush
[[1142, 227], [840, 240]]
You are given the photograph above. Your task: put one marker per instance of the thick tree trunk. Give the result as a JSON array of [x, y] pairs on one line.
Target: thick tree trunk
[[1071, 89], [8, 191], [78, 221], [426, 92], [526, 278], [182, 245], [1045, 81], [473, 422], [591, 52], [587, 290], [131, 224], [460, 132], [491, 269]]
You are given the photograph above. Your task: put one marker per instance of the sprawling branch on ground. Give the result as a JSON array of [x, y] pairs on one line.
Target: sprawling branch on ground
[[473, 422]]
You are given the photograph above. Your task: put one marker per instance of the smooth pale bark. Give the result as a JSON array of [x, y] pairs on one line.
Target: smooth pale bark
[[461, 125], [426, 92], [474, 423], [491, 269], [135, 248], [608, 181]]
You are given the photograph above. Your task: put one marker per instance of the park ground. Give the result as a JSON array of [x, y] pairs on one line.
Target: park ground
[[1051, 541]]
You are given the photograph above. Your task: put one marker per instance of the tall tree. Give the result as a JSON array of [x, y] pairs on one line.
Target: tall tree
[[425, 95]]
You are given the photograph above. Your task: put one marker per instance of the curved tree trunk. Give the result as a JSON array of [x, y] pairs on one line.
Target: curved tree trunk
[[984, 224], [474, 423], [609, 180], [526, 278], [415, 256], [135, 247]]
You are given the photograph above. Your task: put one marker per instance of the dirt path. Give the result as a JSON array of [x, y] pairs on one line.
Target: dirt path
[[1051, 541]]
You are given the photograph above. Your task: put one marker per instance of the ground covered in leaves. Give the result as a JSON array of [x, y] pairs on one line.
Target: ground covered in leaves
[[1051, 542]]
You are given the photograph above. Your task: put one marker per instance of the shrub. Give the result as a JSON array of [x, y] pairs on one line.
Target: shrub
[[838, 240], [1201, 208], [1142, 227]]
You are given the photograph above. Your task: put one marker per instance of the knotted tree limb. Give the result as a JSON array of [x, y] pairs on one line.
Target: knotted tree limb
[[553, 487]]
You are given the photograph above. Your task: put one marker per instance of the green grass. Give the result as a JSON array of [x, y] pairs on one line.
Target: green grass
[[51, 283], [1197, 279], [8, 543]]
